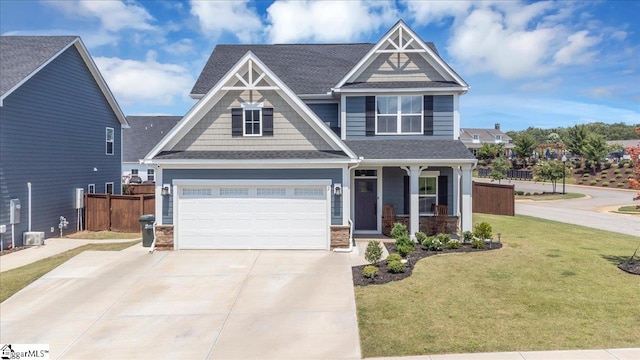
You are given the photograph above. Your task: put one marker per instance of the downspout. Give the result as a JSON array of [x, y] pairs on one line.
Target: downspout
[[352, 242], [29, 202]]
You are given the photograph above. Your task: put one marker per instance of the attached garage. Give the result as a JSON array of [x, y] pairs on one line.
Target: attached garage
[[260, 214]]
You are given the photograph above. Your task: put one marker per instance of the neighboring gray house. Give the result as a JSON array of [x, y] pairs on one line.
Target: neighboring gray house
[[144, 133], [475, 138], [60, 130], [300, 146]]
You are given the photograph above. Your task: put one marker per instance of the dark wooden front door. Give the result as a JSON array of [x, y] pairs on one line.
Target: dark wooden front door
[[366, 204]]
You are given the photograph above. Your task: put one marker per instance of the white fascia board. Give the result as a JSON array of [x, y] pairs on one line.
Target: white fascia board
[[196, 96], [93, 68], [434, 91], [248, 163], [205, 182], [427, 162]]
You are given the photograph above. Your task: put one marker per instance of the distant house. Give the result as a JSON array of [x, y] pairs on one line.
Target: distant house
[[621, 154], [60, 130], [145, 132], [475, 138]]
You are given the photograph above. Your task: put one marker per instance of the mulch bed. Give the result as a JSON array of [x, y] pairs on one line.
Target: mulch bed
[[419, 253], [12, 250], [631, 266]]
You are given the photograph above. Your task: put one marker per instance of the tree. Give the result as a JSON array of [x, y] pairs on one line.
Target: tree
[[634, 152], [490, 151], [594, 149], [524, 146], [551, 170], [373, 253], [575, 139], [554, 138], [499, 169]]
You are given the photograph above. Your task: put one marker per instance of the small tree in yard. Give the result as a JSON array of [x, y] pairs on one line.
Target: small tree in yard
[[524, 146], [373, 253], [634, 152], [552, 171], [594, 150], [499, 169]]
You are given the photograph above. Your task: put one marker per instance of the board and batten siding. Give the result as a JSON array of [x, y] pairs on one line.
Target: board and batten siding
[[52, 134], [442, 119], [213, 131], [335, 175]]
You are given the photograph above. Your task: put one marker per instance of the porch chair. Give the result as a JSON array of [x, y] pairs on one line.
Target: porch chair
[[440, 218], [388, 219]]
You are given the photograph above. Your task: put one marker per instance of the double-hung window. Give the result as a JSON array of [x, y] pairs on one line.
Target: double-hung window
[[151, 175], [109, 139], [399, 114], [428, 194], [252, 119]]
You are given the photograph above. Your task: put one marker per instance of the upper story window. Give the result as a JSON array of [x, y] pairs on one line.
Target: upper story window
[[151, 175], [134, 172], [109, 138], [399, 114], [476, 137], [252, 119], [498, 137]]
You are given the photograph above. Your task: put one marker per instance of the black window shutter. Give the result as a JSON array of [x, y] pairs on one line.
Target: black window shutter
[[428, 114], [370, 115], [236, 122], [267, 121], [443, 190]]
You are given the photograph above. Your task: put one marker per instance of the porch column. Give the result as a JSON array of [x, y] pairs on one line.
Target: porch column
[[414, 176], [159, 197], [455, 208], [346, 195], [467, 209]]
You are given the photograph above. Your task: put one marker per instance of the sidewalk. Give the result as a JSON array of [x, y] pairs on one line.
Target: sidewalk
[[52, 247], [610, 354]]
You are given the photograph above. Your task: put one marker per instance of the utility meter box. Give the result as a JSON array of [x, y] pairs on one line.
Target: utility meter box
[[79, 198], [14, 211]]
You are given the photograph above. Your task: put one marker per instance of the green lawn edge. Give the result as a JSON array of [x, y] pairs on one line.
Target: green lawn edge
[[551, 197], [552, 286], [14, 280]]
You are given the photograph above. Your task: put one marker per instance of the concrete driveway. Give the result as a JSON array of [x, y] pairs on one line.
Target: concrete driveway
[[190, 305]]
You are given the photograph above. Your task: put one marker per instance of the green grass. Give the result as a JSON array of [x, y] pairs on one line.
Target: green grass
[[103, 235], [630, 209], [547, 197], [551, 286], [14, 280]]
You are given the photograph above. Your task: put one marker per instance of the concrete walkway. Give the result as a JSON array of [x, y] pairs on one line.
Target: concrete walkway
[[52, 247], [610, 354]]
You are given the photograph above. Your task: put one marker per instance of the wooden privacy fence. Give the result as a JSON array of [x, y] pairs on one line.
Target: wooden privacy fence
[[494, 199], [119, 213], [140, 189]]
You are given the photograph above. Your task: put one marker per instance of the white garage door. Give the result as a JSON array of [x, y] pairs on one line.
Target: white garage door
[[264, 216]]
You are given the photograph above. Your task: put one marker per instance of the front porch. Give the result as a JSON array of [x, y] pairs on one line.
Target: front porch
[[430, 199]]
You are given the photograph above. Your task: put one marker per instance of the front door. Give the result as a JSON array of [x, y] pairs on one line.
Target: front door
[[366, 204]]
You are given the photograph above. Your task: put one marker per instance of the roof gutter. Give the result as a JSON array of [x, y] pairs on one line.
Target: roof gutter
[[461, 90], [442, 162]]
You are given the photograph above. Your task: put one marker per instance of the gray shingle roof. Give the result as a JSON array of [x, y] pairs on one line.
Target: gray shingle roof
[[22, 55], [144, 134], [401, 85], [305, 68], [484, 134], [410, 149], [250, 155]]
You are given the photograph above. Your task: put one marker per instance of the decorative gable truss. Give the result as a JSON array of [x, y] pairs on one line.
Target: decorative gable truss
[[252, 75], [400, 55]]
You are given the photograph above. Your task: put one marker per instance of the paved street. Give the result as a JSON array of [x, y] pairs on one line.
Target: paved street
[[593, 211]]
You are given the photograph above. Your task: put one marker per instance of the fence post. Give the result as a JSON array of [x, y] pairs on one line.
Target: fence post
[[141, 200], [109, 212]]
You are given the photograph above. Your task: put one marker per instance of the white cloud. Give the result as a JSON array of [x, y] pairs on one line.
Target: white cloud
[[576, 49], [216, 17], [436, 11], [619, 35], [327, 21], [146, 81], [180, 47], [113, 15], [91, 39]]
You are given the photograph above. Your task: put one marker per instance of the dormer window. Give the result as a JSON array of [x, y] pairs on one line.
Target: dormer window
[[476, 137], [252, 121], [499, 137]]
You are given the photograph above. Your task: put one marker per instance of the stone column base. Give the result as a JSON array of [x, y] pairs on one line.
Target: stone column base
[[339, 236], [164, 237]]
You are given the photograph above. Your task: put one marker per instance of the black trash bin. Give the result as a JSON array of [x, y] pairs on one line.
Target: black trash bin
[[146, 223]]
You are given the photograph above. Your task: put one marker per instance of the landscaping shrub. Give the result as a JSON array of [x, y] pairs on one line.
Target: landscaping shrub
[[603, 172], [618, 176], [536, 193], [420, 236], [628, 171], [453, 244], [395, 267], [520, 193], [399, 230], [432, 243], [393, 257], [603, 176], [612, 180], [482, 230], [477, 243], [607, 165], [467, 236], [527, 194], [605, 184], [373, 253], [370, 271], [620, 184], [404, 245], [585, 176], [593, 182], [444, 238], [616, 171]]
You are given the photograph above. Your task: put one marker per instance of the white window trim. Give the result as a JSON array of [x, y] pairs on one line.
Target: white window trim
[[112, 187], [106, 141], [152, 174], [250, 106], [399, 115], [91, 189], [435, 196], [134, 173]]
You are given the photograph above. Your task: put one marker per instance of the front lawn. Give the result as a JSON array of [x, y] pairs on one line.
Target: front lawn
[[12, 281], [103, 235], [551, 286], [549, 196]]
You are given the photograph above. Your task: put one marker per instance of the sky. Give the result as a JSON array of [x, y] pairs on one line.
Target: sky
[[540, 64]]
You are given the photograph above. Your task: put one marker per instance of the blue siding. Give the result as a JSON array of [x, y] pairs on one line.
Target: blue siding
[[355, 122], [442, 119], [335, 175], [328, 113], [393, 186], [52, 133]]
